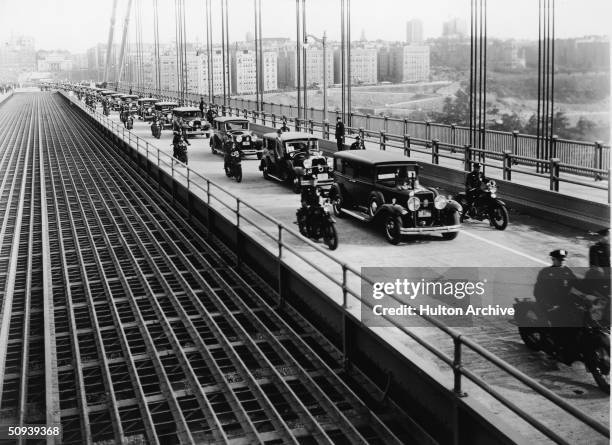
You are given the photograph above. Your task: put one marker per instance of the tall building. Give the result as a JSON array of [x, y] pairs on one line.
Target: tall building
[[53, 61], [17, 57], [314, 65], [414, 31], [364, 65], [244, 71], [415, 63], [454, 28], [285, 68]]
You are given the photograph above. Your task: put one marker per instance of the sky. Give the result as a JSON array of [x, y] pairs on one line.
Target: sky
[[76, 25]]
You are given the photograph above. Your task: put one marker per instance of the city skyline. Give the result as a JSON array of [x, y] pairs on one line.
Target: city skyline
[[386, 22]]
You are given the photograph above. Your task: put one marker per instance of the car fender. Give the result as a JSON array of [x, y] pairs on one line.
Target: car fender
[[499, 202], [453, 205], [393, 209], [299, 171]]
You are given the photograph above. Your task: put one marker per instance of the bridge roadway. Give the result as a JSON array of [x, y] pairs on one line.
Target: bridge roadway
[[121, 324], [525, 243]]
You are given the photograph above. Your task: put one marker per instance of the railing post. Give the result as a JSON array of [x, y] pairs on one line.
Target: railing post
[[515, 135], [311, 126], [367, 121], [453, 135], [428, 130], [554, 174], [598, 158], [274, 120], [326, 129], [297, 124], [386, 124], [263, 117], [383, 140], [344, 288], [467, 154], [281, 294], [245, 112], [222, 110], [553, 146], [457, 368], [609, 186], [407, 145], [435, 151], [362, 135], [507, 175], [290, 111]]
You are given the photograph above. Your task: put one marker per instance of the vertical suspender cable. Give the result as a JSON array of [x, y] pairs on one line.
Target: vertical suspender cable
[[257, 72], [298, 56], [305, 75], [261, 56], [472, 72], [342, 59], [539, 115], [552, 75], [223, 48], [126, 24], [156, 46], [545, 83], [484, 80], [109, 43], [209, 61], [227, 50], [349, 79]]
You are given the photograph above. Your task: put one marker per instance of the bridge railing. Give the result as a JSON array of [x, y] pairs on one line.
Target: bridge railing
[[283, 240], [572, 158]]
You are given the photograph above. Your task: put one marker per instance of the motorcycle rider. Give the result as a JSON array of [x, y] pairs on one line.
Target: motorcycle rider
[[311, 205], [599, 253], [201, 107], [557, 290], [357, 145], [210, 114], [473, 183], [179, 144]]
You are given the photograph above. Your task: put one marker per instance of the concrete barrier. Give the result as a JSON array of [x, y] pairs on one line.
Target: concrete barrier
[[551, 206], [437, 414]]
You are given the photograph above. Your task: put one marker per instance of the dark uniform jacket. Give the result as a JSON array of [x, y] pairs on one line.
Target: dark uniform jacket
[[599, 254], [339, 130], [474, 180]]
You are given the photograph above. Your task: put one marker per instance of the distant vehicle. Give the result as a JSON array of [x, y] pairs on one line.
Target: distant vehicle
[[164, 113], [115, 101], [229, 130], [146, 108], [383, 188], [295, 158], [131, 100], [196, 125]]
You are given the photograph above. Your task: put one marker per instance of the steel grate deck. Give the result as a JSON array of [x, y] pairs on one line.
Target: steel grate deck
[[122, 324]]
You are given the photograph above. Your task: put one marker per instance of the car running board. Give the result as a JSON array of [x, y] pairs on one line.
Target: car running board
[[359, 215], [276, 177]]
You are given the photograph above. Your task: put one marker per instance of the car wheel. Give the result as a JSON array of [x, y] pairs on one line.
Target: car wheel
[[375, 202], [265, 169], [259, 155], [335, 197], [238, 173], [212, 145], [392, 227]]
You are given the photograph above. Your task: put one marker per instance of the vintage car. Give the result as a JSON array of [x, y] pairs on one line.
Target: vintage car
[[146, 108], [383, 187], [295, 158], [131, 100], [164, 112], [115, 101], [195, 124], [228, 130]]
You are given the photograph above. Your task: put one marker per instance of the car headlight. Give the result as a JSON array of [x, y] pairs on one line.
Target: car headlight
[[148, 110], [168, 116], [330, 162], [253, 137], [190, 123], [308, 171], [440, 202], [307, 163], [238, 138], [413, 204]]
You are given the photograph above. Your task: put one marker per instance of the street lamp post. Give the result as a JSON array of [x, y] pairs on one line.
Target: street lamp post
[[323, 42]]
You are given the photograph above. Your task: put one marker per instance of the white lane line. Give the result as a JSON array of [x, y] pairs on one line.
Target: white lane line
[[509, 249]]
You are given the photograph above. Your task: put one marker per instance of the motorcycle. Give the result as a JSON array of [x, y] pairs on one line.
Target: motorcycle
[[180, 151], [485, 206], [106, 110], [156, 128], [233, 164], [593, 337], [315, 222], [129, 123]]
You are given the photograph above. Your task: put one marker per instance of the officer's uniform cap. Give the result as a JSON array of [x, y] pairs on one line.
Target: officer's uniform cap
[[559, 253]]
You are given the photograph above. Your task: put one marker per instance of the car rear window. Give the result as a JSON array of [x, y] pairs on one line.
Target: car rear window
[[236, 126], [392, 175]]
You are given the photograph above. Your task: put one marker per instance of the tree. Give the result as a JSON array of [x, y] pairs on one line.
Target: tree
[[455, 111], [507, 122]]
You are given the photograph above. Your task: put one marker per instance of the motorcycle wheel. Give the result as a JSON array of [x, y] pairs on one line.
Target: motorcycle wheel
[[330, 236], [600, 368], [532, 337], [297, 187], [238, 173], [499, 217], [456, 219], [228, 172]]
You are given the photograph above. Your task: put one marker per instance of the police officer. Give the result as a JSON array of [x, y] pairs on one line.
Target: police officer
[[556, 292], [210, 114], [599, 253], [339, 134], [202, 107], [284, 128], [473, 182], [357, 145]]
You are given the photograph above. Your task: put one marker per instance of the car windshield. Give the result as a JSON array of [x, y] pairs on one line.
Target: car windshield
[[230, 126], [304, 146], [189, 114], [396, 176]]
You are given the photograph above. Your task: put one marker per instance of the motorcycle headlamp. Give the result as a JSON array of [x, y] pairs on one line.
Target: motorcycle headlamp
[[149, 110], [307, 163], [239, 138], [440, 202], [169, 116], [254, 137], [235, 153], [413, 204]]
